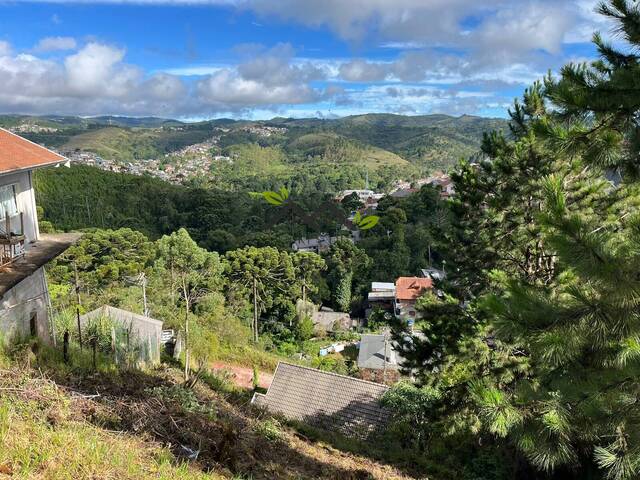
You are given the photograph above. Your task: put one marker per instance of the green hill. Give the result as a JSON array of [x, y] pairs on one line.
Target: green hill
[[427, 142]]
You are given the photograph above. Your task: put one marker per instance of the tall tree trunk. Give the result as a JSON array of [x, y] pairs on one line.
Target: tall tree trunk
[[255, 310], [187, 353]]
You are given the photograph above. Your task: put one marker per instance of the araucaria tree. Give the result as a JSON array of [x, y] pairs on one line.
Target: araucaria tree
[[266, 274], [193, 272]]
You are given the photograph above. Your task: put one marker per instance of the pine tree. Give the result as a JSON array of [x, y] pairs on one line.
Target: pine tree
[[577, 410]]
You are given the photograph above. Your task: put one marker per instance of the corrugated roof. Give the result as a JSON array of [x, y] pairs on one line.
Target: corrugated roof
[[120, 314], [410, 288], [325, 400], [17, 153], [383, 286], [371, 354]]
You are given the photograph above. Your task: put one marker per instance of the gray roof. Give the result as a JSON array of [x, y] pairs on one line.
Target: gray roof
[[325, 400], [147, 330], [120, 315], [371, 354]]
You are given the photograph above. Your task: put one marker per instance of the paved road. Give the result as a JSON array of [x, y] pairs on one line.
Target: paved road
[[243, 376]]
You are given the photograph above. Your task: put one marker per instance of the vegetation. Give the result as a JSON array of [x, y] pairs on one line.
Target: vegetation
[[544, 358]]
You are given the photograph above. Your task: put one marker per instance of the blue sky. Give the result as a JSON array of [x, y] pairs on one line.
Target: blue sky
[[195, 59]]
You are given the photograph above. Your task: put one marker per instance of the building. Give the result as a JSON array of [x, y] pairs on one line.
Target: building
[[141, 336], [382, 295], [408, 289], [319, 244], [325, 400], [24, 296], [329, 321], [433, 273], [378, 360], [403, 192]]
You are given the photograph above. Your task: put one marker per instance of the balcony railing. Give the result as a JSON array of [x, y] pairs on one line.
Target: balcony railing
[[12, 242]]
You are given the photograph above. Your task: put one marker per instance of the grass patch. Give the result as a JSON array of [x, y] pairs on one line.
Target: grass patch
[[41, 442]]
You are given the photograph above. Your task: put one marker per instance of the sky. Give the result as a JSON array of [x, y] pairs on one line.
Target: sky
[[256, 59]]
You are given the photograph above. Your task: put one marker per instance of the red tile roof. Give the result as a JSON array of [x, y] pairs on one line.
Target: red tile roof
[[17, 153], [410, 288]]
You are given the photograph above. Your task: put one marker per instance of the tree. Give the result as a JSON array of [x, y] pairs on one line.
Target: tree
[[343, 259], [193, 272], [267, 273], [307, 266], [351, 203], [576, 410]]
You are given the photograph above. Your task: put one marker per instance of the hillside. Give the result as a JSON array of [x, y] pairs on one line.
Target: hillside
[[61, 422], [372, 141]]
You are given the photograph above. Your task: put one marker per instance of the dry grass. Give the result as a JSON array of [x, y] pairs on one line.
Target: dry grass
[[60, 424], [44, 435]]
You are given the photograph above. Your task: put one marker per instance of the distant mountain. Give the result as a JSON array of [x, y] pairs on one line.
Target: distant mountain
[[375, 140]]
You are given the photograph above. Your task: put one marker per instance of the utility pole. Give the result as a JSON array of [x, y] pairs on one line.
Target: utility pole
[[255, 310], [143, 283], [384, 364], [75, 270]]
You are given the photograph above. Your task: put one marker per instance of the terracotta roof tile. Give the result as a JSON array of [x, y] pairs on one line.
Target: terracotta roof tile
[[17, 153], [410, 288]]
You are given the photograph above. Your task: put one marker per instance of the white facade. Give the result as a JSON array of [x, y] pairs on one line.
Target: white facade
[[22, 183], [23, 309]]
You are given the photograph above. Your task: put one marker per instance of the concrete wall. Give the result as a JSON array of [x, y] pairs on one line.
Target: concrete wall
[[18, 304], [26, 203]]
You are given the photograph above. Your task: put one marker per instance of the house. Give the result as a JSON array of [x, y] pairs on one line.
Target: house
[[378, 360], [382, 295], [369, 198], [139, 335], [433, 273], [326, 320], [325, 400], [316, 245], [408, 289], [24, 296]]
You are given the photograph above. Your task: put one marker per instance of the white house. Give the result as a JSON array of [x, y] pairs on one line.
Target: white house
[[23, 250]]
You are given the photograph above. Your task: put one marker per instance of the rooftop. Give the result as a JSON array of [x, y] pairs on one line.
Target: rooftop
[[325, 400], [410, 288], [17, 153], [38, 254], [371, 354], [379, 286], [121, 315]]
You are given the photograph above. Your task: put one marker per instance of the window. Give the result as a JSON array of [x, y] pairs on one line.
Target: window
[[8, 204], [33, 324]]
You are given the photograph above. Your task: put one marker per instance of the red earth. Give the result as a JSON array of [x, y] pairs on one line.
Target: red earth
[[243, 376]]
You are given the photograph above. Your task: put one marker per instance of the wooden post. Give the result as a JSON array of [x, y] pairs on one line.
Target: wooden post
[[144, 294], [75, 269], [94, 348], [65, 346]]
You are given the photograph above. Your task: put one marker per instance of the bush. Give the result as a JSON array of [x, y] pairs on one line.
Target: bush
[[269, 429]]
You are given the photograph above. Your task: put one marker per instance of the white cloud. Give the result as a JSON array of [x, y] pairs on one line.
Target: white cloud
[[269, 77], [5, 48], [50, 44], [97, 80]]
